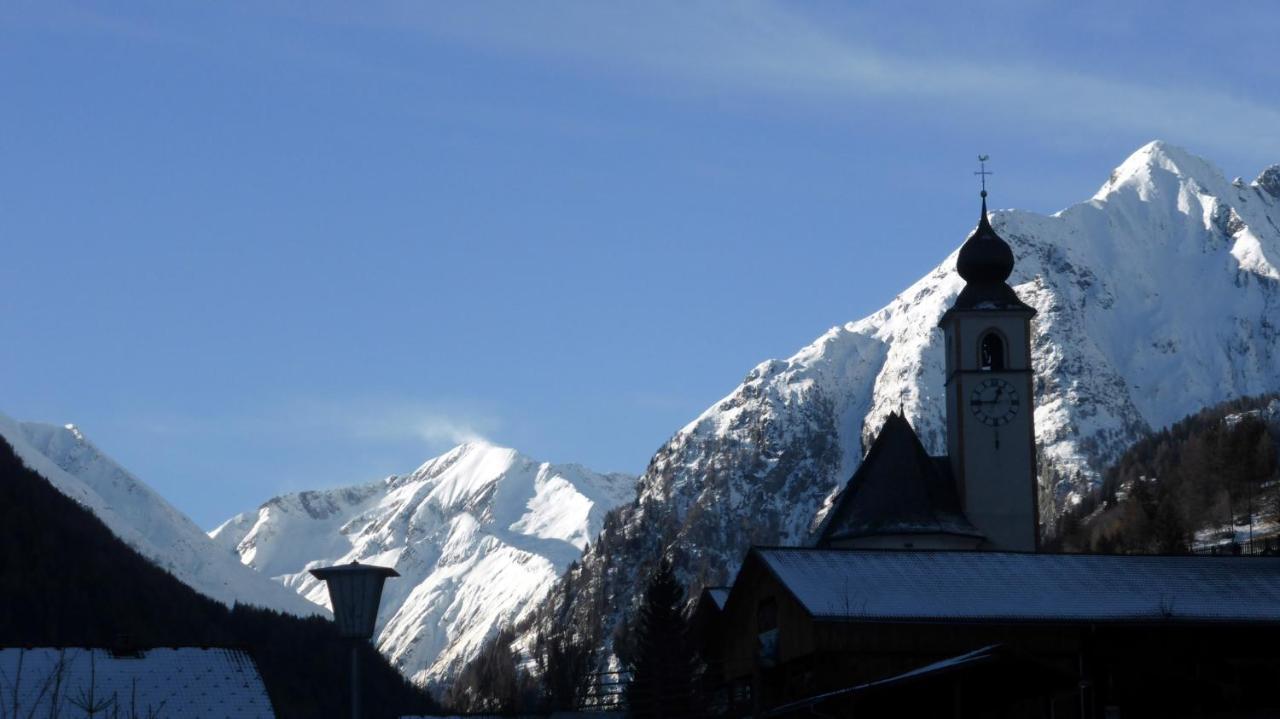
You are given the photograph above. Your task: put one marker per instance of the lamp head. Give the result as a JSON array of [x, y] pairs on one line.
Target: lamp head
[[355, 590]]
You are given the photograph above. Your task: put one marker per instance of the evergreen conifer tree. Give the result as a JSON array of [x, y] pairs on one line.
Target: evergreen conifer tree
[[664, 665]]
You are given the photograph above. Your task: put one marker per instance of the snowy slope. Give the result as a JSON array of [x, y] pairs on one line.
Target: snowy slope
[[142, 519], [478, 535], [1157, 297]]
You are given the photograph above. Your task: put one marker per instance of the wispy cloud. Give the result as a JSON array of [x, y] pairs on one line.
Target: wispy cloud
[[789, 52], [776, 50], [400, 422], [352, 421]]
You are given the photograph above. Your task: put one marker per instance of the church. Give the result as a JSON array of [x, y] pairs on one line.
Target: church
[[927, 594]]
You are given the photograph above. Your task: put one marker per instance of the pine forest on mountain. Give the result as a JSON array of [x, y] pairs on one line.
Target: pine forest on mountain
[[1201, 485]]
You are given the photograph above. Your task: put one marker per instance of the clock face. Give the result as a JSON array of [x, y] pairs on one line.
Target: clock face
[[994, 402]]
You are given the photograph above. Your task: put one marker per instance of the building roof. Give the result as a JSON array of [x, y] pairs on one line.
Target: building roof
[[982, 655], [898, 489], [963, 586], [719, 595], [183, 682]]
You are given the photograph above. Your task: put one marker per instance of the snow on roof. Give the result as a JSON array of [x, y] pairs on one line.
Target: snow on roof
[[989, 586], [187, 682]]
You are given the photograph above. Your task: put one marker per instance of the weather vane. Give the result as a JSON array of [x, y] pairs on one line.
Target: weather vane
[[982, 162]]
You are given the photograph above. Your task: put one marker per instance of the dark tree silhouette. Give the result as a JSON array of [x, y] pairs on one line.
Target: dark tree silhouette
[[664, 665], [565, 666]]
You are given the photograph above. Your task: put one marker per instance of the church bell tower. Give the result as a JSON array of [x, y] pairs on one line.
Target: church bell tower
[[990, 430]]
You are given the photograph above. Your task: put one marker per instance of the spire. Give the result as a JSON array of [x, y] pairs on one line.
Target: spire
[[985, 262], [984, 257]]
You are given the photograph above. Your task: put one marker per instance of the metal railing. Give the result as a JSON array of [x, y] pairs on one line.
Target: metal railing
[[605, 692]]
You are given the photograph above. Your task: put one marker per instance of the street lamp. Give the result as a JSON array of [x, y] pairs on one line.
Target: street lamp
[[355, 590]]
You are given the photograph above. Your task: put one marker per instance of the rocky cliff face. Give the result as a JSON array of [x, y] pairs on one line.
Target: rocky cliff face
[[1158, 296]]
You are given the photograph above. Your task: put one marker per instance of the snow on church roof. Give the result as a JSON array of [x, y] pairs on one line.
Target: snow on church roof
[[1002, 586], [187, 682]]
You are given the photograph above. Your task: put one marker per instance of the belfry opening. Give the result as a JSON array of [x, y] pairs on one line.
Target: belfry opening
[[991, 354]]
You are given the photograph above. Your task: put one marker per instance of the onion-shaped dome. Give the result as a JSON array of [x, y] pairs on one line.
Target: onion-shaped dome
[[985, 262], [985, 257]]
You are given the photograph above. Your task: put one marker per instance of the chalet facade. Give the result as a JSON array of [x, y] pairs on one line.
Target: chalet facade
[[926, 593]]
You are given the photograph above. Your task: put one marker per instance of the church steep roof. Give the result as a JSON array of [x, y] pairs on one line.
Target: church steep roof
[[978, 586], [898, 489]]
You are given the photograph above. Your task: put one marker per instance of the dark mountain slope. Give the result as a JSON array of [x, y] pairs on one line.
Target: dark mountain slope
[[67, 580]]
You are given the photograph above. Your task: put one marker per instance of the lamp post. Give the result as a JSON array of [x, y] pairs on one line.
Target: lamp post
[[355, 590]]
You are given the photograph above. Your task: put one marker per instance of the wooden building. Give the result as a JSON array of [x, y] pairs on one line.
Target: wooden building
[[855, 632]]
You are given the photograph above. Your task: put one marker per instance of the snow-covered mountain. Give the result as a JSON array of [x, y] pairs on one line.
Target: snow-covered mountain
[[1157, 297], [142, 519], [478, 535]]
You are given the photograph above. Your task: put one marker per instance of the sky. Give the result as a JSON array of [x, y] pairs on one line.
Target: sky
[[252, 248]]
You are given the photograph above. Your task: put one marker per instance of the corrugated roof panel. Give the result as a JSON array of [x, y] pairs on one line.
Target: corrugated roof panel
[[977, 586]]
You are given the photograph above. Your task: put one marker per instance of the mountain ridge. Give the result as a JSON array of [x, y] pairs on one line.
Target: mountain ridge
[[477, 534], [142, 518], [1120, 346]]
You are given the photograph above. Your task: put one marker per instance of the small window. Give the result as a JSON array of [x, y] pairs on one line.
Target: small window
[[767, 615], [991, 354], [767, 632]]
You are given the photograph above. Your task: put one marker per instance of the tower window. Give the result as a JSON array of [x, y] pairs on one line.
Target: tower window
[[991, 354]]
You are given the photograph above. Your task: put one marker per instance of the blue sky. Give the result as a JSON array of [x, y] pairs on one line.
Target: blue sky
[[253, 248]]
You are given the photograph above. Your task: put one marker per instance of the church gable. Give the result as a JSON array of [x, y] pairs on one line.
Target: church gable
[[898, 490]]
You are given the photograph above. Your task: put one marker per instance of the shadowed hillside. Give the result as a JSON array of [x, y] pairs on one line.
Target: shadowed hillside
[[1207, 483], [66, 580]]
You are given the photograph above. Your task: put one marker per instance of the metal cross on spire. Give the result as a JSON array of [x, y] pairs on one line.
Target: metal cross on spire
[[982, 162]]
